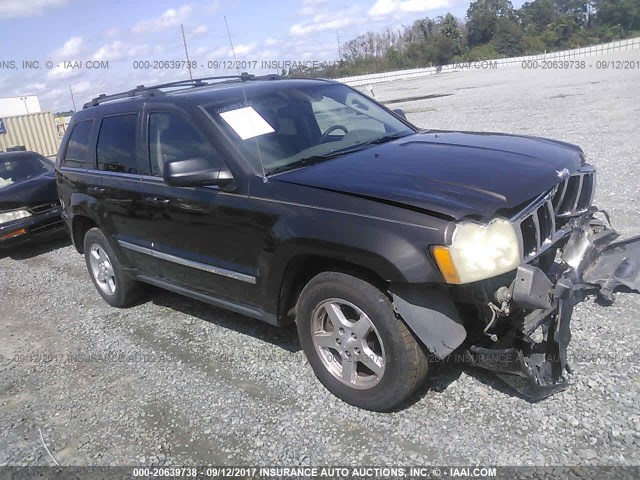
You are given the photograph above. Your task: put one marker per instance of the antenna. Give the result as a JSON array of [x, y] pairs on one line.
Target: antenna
[[186, 52], [246, 102]]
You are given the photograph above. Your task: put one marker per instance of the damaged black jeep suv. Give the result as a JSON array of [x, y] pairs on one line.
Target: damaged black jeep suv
[[304, 200]]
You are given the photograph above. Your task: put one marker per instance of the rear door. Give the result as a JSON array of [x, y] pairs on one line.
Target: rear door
[[117, 159], [78, 184]]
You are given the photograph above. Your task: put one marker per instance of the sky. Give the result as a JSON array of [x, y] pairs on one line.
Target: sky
[[63, 35]]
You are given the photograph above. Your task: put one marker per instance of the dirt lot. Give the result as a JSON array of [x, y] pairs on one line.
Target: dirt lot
[[174, 381]]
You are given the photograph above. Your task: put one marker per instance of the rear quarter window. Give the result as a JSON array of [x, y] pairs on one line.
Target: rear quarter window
[[77, 154]]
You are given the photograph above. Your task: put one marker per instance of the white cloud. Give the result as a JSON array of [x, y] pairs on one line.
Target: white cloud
[[27, 8], [267, 54], [225, 52], [386, 7], [53, 93], [138, 50], [244, 48], [59, 71], [329, 20], [310, 7], [36, 87], [112, 32], [213, 7], [200, 51], [119, 50], [219, 52], [70, 49], [170, 18], [270, 42], [199, 30], [82, 87], [320, 26], [112, 51]]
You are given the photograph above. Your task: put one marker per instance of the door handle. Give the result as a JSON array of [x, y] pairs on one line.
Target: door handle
[[157, 200], [97, 190]]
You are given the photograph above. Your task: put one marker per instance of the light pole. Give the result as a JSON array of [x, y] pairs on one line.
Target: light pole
[[73, 100], [26, 107]]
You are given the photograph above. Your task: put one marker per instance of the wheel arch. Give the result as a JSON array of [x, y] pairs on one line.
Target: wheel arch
[[301, 268], [80, 225]]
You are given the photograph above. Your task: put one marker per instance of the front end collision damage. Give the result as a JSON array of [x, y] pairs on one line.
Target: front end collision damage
[[525, 339]]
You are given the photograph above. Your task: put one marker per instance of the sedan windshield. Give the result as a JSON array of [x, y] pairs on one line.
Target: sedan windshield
[[296, 126], [20, 167]]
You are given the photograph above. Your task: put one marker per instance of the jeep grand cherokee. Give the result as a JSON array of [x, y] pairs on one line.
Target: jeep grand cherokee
[[304, 200]]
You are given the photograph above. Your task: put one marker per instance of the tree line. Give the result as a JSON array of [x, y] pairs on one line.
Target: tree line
[[492, 29]]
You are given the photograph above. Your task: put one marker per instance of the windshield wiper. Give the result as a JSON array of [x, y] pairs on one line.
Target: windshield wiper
[[387, 138], [312, 160]]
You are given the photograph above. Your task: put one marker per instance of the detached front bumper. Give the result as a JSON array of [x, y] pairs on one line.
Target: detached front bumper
[[518, 324], [534, 365], [527, 348], [31, 228]]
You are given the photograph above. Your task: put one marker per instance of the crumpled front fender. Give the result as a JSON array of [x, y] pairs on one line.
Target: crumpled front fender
[[599, 264], [618, 264], [590, 262]]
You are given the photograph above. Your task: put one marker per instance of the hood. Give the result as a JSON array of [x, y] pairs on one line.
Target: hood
[[34, 191], [454, 174]]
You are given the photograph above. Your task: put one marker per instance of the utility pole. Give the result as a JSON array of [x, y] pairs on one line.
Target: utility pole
[[73, 100], [339, 49], [186, 52]]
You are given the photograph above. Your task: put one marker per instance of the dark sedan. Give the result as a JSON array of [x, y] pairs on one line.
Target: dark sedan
[[29, 205]]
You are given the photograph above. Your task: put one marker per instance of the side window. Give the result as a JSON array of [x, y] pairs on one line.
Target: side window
[[77, 154], [116, 151], [172, 137]]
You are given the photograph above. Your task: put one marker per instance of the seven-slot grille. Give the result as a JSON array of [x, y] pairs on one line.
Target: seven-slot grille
[[538, 226], [574, 195]]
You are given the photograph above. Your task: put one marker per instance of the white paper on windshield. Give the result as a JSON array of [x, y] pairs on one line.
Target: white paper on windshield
[[246, 122]]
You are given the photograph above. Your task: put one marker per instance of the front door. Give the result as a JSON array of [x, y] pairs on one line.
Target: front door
[[203, 237]]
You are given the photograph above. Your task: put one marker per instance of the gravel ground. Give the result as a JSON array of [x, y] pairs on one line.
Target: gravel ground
[[174, 381]]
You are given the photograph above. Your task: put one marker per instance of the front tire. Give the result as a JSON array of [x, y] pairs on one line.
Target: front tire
[[359, 350], [113, 285]]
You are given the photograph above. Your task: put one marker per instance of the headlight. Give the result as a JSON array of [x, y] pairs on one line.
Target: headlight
[[479, 251], [6, 217]]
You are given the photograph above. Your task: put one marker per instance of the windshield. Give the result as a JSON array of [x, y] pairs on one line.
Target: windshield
[[287, 127], [18, 168]]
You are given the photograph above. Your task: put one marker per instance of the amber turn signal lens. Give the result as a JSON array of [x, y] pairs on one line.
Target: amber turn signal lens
[[445, 264], [15, 233]]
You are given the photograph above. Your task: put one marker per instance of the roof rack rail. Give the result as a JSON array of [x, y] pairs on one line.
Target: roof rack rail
[[155, 89]]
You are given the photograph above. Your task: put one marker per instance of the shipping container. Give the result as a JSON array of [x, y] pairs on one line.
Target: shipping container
[[36, 132]]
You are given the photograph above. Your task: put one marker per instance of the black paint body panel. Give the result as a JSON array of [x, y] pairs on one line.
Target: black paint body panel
[[381, 208]]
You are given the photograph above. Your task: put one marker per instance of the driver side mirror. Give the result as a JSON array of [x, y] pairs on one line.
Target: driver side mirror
[[400, 113], [194, 172]]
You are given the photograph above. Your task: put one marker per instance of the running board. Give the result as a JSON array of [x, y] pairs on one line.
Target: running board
[[240, 308]]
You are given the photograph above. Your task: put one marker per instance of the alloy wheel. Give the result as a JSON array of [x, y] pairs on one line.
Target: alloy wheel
[[102, 269], [348, 343]]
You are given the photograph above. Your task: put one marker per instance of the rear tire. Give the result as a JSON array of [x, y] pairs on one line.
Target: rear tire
[[113, 285], [359, 350]]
